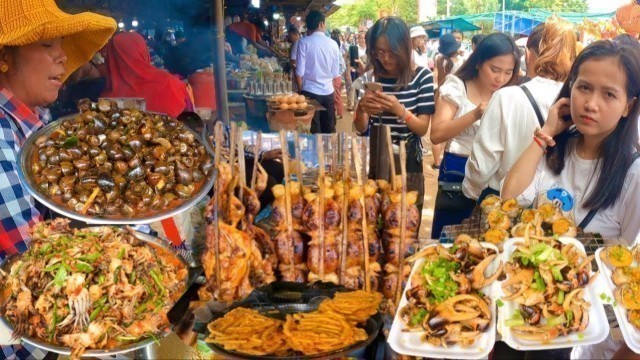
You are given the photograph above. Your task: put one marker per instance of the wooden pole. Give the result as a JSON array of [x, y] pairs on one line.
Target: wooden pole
[[346, 179], [321, 186], [232, 162], [403, 219], [256, 153], [287, 196], [296, 138], [216, 202], [365, 233], [334, 155], [217, 18], [242, 171], [392, 160]]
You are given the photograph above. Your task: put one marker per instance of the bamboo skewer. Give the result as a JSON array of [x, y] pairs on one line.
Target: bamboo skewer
[[321, 186], [287, 196], [334, 155], [216, 201], [256, 153], [365, 234], [232, 162], [346, 179], [403, 219], [365, 151], [298, 154], [242, 170], [392, 160]]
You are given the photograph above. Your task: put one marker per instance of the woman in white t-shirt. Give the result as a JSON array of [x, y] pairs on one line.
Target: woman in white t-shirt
[[460, 104], [510, 118], [593, 164]]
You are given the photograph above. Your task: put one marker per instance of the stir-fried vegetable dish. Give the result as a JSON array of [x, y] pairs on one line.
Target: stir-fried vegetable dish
[[547, 279], [445, 300], [98, 288]]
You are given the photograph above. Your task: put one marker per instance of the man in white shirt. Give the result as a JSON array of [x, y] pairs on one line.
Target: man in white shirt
[[419, 42], [317, 64]]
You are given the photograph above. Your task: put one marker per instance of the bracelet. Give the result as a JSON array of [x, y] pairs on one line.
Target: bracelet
[[402, 119], [539, 142], [544, 137], [406, 115]]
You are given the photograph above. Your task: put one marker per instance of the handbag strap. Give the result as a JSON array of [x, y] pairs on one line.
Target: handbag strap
[[534, 104], [592, 213]]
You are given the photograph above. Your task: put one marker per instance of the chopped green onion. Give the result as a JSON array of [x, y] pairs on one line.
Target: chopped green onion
[[499, 303], [514, 322], [132, 277], [121, 253], [116, 275], [557, 276], [569, 317], [560, 297], [70, 142], [127, 338], [556, 320], [580, 336], [418, 318], [603, 296]]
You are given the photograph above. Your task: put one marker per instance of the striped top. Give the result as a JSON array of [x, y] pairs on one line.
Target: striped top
[[416, 97]]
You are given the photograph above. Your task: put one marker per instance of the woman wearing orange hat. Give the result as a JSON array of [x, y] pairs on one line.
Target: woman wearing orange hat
[[40, 46]]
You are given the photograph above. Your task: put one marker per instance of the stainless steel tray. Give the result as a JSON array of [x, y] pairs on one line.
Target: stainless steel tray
[[24, 173], [103, 352]]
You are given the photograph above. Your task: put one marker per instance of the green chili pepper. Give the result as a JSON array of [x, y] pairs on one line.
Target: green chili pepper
[[52, 330], [90, 257], [157, 279], [83, 267]]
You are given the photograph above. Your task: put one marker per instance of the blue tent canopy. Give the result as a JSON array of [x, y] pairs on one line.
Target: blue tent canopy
[[447, 25], [516, 22]]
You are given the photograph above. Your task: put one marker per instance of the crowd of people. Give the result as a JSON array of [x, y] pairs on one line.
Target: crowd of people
[[568, 122]]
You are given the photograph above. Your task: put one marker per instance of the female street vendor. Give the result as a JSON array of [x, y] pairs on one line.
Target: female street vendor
[[40, 46]]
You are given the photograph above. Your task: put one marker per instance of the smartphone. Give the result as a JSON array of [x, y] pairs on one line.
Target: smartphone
[[373, 86]]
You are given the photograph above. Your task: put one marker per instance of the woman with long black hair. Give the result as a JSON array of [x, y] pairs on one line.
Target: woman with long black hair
[[405, 103], [460, 105]]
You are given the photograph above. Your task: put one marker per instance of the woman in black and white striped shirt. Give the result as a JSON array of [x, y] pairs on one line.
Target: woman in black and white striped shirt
[[405, 102]]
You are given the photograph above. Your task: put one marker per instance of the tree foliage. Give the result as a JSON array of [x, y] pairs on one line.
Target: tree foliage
[[353, 14], [464, 7]]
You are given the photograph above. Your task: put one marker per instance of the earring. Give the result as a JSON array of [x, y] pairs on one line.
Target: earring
[[4, 68]]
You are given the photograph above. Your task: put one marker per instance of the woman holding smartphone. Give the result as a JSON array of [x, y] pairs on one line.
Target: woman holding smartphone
[[402, 98]]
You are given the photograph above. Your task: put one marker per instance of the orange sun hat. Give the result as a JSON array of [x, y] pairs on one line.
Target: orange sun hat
[[24, 22]]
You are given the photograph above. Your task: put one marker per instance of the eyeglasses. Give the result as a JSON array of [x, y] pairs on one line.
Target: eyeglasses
[[384, 54]]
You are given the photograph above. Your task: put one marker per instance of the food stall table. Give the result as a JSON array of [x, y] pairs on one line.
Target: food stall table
[[256, 111]]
